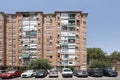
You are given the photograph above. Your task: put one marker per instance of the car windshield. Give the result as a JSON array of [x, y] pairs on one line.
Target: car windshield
[[41, 71], [98, 71], [110, 70], [29, 71], [67, 70], [53, 70]]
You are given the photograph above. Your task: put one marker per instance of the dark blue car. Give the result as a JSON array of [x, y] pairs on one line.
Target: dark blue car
[[109, 72]]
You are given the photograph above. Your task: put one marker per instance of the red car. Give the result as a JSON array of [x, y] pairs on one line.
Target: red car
[[2, 71], [11, 74]]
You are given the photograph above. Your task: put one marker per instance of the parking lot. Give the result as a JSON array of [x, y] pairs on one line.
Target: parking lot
[[74, 78]]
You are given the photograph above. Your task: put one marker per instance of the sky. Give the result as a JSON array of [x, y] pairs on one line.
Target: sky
[[103, 21]]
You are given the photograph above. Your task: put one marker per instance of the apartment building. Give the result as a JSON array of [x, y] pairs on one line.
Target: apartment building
[[59, 37], [2, 40]]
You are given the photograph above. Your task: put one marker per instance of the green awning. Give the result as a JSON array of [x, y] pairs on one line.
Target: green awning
[[71, 37], [25, 56], [64, 44], [33, 33]]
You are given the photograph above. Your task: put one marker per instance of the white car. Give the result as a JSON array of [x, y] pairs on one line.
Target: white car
[[66, 72], [28, 73], [53, 73]]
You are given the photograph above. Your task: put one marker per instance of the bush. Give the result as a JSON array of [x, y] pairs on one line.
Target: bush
[[40, 64], [71, 67], [23, 68]]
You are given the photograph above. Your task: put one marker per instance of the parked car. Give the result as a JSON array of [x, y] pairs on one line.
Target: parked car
[[11, 74], [53, 73], [41, 73], [109, 72], [66, 72], [28, 73], [2, 71], [80, 73], [95, 72]]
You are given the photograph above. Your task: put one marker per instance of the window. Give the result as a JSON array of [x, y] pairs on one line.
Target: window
[[20, 29], [70, 62], [50, 56], [58, 18], [50, 42], [58, 41], [72, 16], [77, 36], [71, 40], [71, 22], [66, 56], [38, 30], [84, 22], [78, 22], [51, 20], [71, 29], [37, 19], [64, 47], [58, 35], [58, 24], [26, 45], [58, 55], [48, 28], [64, 28], [50, 37]]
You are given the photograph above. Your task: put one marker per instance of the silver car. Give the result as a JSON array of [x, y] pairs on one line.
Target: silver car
[[66, 72], [53, 73]]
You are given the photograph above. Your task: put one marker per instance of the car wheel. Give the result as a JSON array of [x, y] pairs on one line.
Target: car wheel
[[12, 77]]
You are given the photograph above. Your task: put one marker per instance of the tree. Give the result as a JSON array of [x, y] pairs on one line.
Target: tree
[[40, 64], [95, 54], [115, 57], [97, 58], [71, 67], [100, 64]]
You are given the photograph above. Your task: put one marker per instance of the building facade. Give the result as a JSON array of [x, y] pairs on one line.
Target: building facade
[[58, 37], [2, 40]]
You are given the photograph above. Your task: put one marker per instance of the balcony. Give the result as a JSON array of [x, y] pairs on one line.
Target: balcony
[[71, 46], [26, 56], [71, 51], [64, 50], [71, 29], [65, 59], [71, 34], [26, 18], [64, 34], [58, 45], [71, 25], [71, 37], [64, 44], [71, 16]]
